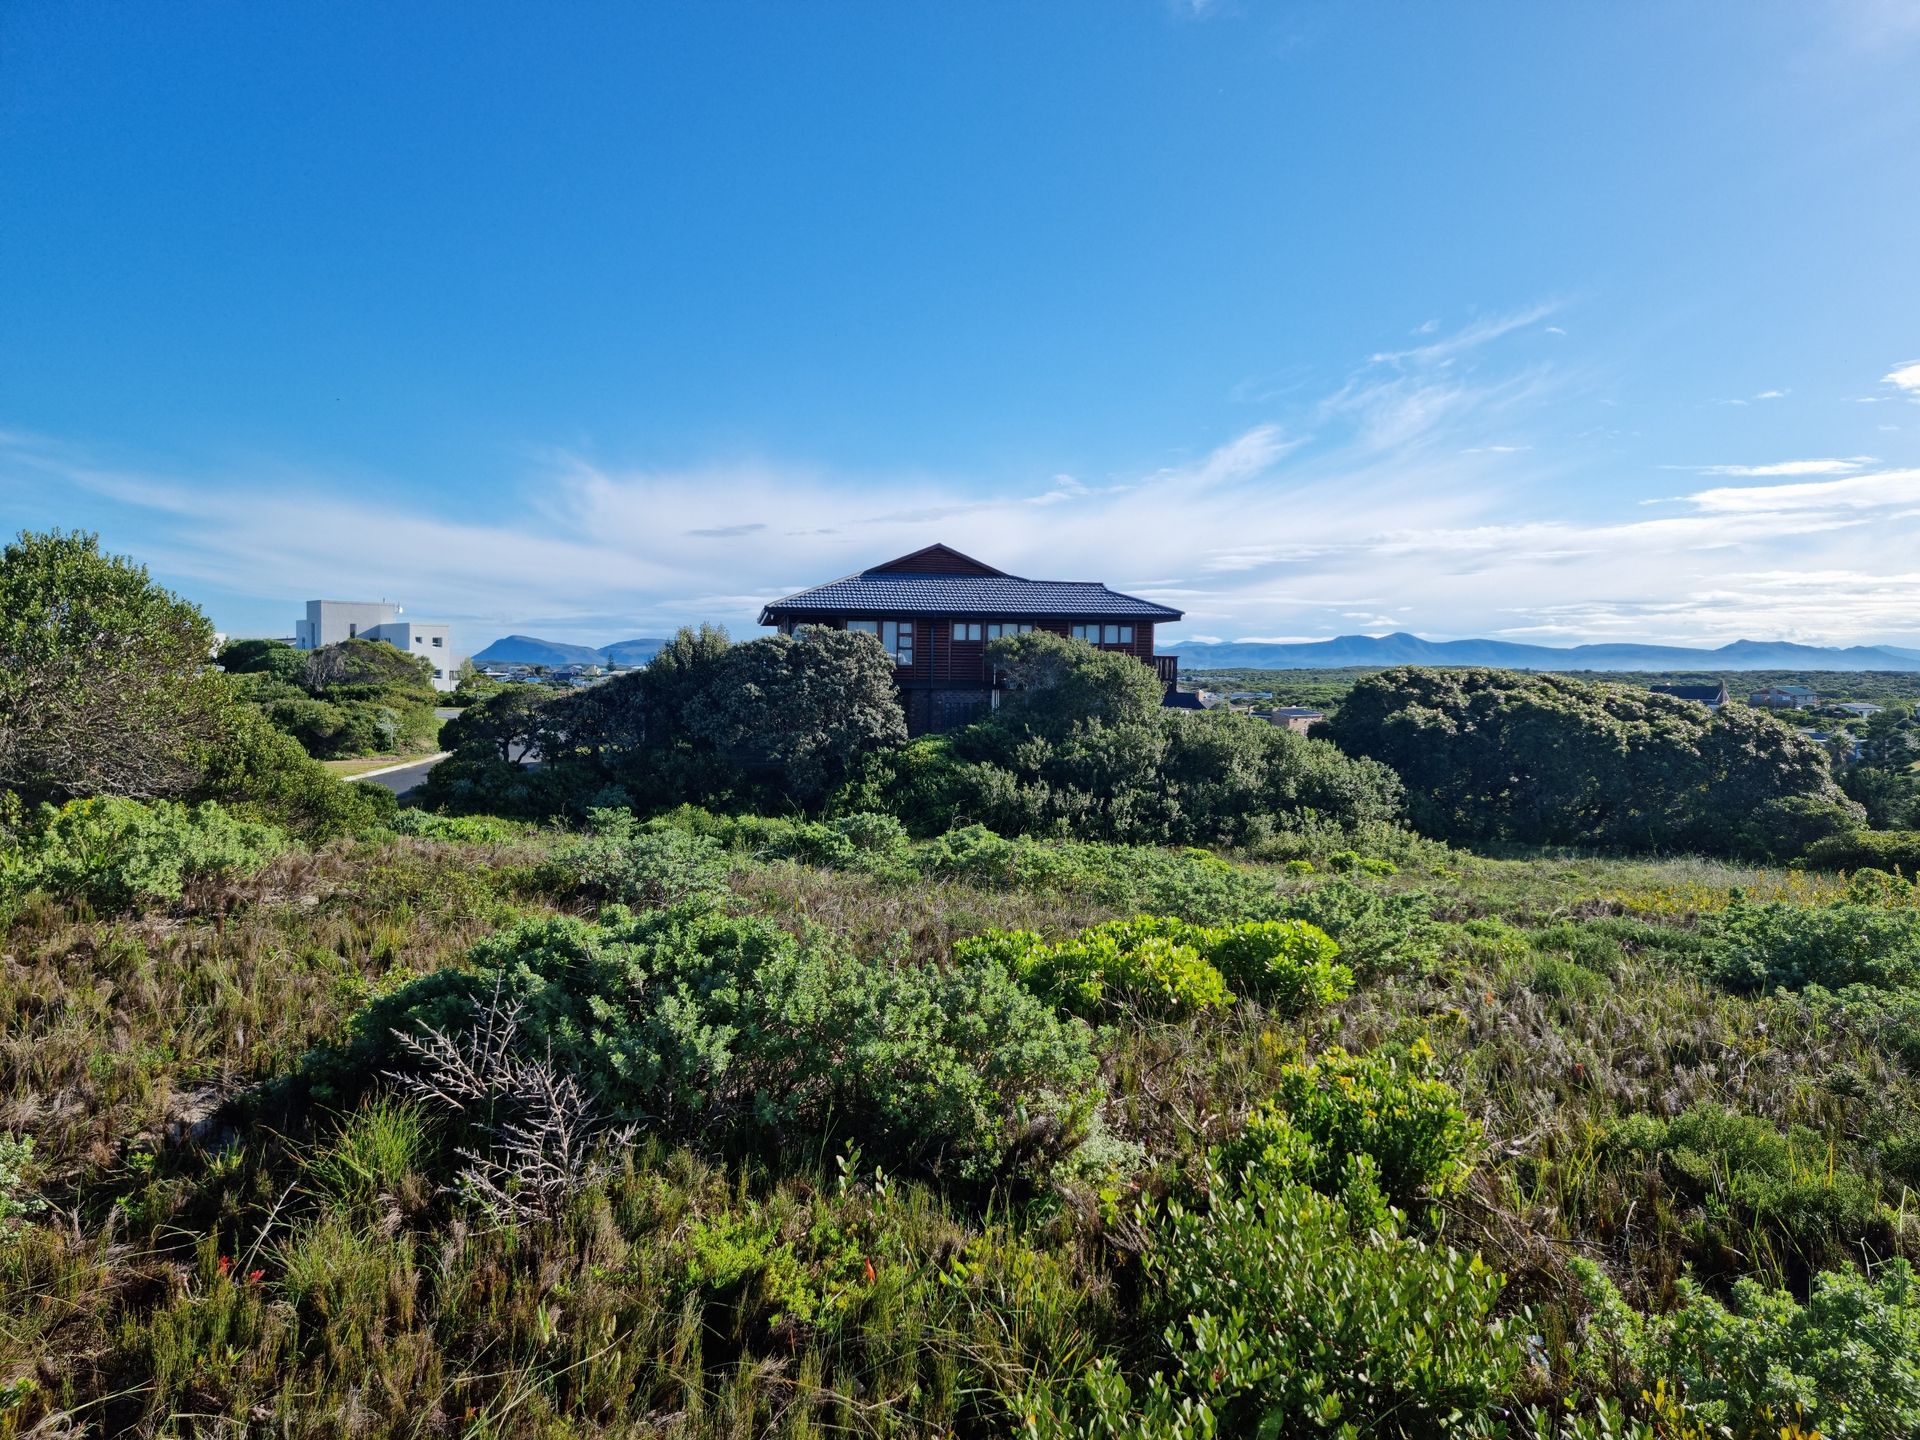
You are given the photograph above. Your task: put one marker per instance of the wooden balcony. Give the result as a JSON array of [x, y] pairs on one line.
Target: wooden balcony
[[1167, 667]]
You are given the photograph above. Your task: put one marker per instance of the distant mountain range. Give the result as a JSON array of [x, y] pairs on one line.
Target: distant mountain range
[[1398, 649], [1405, 649], [531, 650]]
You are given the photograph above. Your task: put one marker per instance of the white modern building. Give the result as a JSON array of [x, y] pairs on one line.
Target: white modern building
[[329, 622]]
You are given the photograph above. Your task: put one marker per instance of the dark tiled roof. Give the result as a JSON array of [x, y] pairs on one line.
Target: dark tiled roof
[[1690, 692], [1006, 596]]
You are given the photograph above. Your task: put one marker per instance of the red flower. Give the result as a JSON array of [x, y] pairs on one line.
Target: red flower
[[226, 1263], [254, 1277], [870, 1275]]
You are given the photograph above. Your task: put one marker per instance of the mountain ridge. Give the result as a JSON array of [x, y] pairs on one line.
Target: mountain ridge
[[1401, 648], [532, 650]]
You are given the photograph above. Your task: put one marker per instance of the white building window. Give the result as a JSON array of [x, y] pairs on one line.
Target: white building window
[[968, 631], [1104, 634], [994, 632], [436, 642], [895, 635]]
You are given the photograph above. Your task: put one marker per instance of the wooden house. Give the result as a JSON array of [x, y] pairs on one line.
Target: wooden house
[[936, 610]]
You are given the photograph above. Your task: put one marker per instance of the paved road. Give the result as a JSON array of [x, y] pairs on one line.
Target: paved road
[[400, 781]]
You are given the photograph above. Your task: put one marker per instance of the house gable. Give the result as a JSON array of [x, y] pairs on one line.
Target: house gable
[[934, 560]]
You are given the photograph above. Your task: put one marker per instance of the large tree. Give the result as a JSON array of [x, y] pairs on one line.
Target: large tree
[[1491, 755], [106, 686]]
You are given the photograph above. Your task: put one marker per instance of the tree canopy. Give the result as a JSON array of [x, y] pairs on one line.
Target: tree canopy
[[106, 685], [1493, 755]]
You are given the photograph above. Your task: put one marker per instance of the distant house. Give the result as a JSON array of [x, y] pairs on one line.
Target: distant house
[[1297, 718], [936, 610], [329, 622], [1784, 697], [1178, 699], [1860, 708], [1711, 696]]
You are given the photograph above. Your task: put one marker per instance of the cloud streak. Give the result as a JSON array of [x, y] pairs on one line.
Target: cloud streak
[[1417, 494]]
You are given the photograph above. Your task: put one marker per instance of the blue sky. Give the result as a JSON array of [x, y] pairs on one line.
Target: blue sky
[[1555, 322]]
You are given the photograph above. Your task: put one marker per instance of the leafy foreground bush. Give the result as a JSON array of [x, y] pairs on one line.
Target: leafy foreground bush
[[1843, 1366], [652, 868], [1759, 1187], [730, 1032], [1298, 1303], [118, 854], [1159, 964], [1790, 947]]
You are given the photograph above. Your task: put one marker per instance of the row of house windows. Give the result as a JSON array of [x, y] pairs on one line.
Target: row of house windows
[[897, 635], [974, 630]]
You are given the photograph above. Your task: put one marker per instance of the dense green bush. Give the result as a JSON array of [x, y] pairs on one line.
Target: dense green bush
[[621, 862], [1493, 755], [1296, 1303], [261, 774], [360, 697], [1897, 850], [1751, 1183], [1845, 1365], [728, 1031], [117, 854], [1789, 947], [861, 841], [1159, 964], [1363, 1128], [1377, 930]]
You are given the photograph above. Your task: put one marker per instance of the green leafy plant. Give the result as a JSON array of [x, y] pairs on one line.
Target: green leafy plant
[[118, 854]]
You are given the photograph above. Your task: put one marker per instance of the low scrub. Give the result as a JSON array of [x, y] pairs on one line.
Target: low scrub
[[700, 1025], [121, 854], [1162, 965]]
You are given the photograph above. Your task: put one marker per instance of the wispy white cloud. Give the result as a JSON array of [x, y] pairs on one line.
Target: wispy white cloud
[[1905, 378], [1786, 467], [1402, 500]]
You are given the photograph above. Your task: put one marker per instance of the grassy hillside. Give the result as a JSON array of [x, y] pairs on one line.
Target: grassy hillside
[[1607, 1080]]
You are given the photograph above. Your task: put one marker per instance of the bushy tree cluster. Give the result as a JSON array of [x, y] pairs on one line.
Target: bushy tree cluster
[[1493, 755], [1082, 745], [778, 721], [107, 688], [359, 697]]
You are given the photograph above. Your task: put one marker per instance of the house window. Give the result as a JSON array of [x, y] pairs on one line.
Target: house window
[[969, 631], [1104, 634], [436, 642], [895, 635], [994, 632], [1119, 634]]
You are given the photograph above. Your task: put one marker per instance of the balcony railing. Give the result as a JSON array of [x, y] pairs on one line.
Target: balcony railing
[[1167, 667]]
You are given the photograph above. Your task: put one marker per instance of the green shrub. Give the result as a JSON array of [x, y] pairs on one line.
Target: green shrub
[[1377, 930], [1747, 1177], [17, 1201], [1353, 1125], [1163, 965], [118, 854], [461, 829], [1146, 964], [377, 1152], [1880, 849], [710, 1027], [1296, 1304], [864, 842], [1845, 1365], [628, 865], [1789, 947]]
